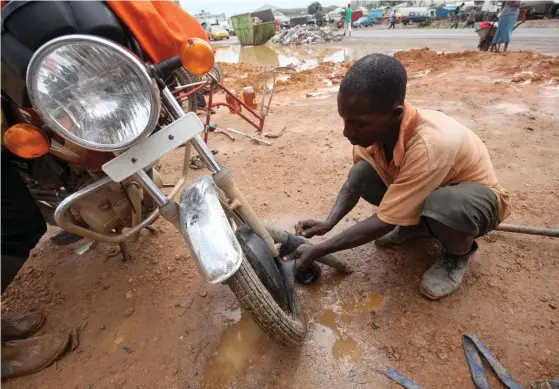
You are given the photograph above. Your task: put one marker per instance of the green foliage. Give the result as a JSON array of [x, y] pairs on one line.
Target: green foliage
[[314, 8]]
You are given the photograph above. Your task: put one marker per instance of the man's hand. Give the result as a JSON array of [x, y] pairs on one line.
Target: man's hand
[[304, 255], [310, 228]]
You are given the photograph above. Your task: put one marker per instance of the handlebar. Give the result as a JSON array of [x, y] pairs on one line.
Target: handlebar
[[166, 66]]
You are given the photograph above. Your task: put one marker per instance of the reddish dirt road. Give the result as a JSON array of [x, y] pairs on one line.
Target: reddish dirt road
[[154, 323]]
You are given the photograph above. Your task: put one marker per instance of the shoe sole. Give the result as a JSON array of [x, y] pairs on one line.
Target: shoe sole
[[430, 297]]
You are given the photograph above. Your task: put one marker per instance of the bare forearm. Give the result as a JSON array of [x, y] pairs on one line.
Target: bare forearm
[[345, 202], [356, 235]]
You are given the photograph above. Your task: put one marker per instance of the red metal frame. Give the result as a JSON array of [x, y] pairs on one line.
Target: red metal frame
[[184, 95]]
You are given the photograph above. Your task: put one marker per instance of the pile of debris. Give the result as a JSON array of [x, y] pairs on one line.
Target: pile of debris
[[304, 34]]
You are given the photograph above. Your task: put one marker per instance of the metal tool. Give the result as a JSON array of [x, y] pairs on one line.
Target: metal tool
[[253, 137], [543, 231]]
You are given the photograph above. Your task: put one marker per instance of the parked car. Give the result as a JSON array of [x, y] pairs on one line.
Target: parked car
[[363, 22], [217, 33], [340, 23], [415, 17], [541, 9]]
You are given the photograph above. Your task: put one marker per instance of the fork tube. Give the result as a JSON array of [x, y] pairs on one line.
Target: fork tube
[[176, 111]]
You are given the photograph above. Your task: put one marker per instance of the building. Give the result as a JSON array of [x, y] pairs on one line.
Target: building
[[290, 12], [207, 19]]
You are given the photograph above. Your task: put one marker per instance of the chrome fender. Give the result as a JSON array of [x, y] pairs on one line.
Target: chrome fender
[[208, 233]]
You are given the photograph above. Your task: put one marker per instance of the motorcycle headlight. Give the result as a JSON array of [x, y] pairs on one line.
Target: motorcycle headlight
[[93, 92]]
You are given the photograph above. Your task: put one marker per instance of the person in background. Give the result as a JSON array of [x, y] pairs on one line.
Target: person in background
[[471, 18], [347, 23], [392, 20], [509, 14], [457, 15], [428, 175]]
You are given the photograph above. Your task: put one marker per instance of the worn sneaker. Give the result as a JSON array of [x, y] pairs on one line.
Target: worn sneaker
[[402, 234], [445, 275], [22, 326]]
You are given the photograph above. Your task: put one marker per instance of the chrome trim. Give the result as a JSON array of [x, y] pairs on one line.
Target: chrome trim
[[208, 233], [65, 205], [119, 50], [67, 223], [150, 187], [176, 111]]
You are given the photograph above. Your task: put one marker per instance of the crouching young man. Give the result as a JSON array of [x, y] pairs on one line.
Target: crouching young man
[[427, 173]]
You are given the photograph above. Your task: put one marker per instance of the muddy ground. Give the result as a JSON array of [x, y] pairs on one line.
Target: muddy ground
[[154, 323]]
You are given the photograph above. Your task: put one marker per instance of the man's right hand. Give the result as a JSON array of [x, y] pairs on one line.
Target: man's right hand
[[310, 228]]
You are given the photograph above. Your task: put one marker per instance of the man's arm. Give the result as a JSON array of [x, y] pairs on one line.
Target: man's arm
[[345, 202], [356, 235], [363, 232]]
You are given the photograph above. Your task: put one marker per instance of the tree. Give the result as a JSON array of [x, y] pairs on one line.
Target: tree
[[314, 8]]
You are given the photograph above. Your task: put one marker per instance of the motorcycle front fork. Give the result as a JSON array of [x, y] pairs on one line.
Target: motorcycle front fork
[[169, 209]]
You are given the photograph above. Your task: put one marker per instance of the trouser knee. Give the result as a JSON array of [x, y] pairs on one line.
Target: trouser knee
[[364, 179]]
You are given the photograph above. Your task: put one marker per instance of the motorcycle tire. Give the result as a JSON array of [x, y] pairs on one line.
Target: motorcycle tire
[[217, 72], [181, 77], [288, 328]]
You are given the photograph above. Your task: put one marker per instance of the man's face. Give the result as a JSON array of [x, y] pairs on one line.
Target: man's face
[[363, 126]]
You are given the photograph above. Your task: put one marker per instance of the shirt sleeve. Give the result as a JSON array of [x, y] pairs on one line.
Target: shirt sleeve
[[420, 174]]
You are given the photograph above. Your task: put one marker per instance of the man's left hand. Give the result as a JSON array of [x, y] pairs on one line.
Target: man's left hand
[[304, 255]]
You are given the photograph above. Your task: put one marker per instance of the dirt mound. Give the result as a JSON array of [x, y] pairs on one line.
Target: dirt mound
[[238, 76], [521, 65]]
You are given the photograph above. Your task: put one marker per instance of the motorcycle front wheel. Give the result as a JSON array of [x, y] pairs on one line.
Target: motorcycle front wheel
[[288, 328], [285, 326]]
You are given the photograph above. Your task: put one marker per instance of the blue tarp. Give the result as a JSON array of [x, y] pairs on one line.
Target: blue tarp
[[444, 11], [376, 14]]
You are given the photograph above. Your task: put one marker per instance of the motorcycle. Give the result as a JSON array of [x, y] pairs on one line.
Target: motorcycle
[[99, 102]]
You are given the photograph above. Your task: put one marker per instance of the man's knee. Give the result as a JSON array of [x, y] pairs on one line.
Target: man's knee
[[364, 179], [466, 207]]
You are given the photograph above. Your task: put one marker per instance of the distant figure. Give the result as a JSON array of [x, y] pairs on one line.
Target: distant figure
[[509, 13], [457, 14], [347, 24], [471, 19], [392, 20]]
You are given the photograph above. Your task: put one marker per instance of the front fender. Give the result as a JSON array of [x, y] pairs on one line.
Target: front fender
[[208, 233]]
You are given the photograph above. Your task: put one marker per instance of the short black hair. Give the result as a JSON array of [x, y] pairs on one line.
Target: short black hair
[[378, 78]]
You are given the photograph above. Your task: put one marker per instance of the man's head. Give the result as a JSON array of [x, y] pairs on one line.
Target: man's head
[[371, 99], [461, 5], [348, 5]]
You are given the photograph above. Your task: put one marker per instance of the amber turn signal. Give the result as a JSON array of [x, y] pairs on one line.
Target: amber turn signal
[[197, 56], [26, 141]]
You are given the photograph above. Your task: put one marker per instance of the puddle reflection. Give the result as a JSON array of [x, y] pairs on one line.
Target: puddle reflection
[[298, 57], [238, 347], [333, 319]]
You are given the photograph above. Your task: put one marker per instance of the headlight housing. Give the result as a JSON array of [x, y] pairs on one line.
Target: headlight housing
[[93, 92]]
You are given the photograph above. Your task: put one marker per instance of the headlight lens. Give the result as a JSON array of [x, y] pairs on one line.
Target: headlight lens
[[92, 92]]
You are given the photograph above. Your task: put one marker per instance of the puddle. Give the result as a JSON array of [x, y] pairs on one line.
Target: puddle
[[299, 58], [346, 347], [371, 304], [333, 319], [236, 350], [511, 108]]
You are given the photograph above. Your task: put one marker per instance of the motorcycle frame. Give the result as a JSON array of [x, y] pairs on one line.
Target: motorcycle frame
[[168, 208]]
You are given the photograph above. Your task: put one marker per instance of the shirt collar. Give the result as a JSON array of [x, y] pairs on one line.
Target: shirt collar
[[407, 128]]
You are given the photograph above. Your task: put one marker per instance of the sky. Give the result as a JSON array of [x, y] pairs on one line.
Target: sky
[[233, 7]]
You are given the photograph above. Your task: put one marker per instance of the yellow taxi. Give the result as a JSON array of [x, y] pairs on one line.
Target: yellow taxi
[[217, 33]]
